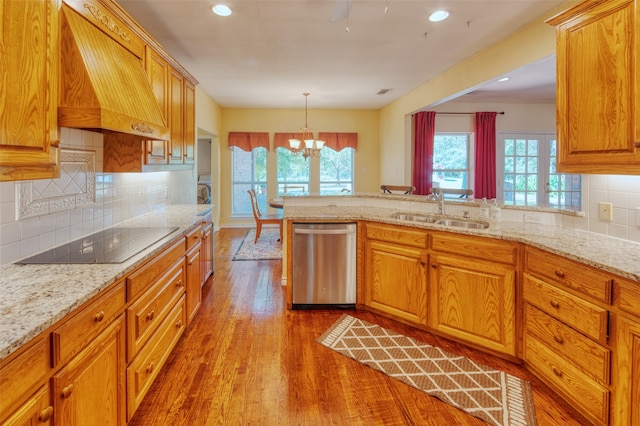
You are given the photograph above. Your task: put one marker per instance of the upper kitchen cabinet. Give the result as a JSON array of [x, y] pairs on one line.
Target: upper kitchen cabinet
[[28, 123], [598, 87]]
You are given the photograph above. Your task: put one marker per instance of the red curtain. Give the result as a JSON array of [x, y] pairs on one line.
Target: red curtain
[[247, 141], [339, 141], [485, 166], [424, 125]]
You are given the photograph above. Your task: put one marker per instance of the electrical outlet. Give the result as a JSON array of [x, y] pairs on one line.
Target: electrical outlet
[[605, 211]]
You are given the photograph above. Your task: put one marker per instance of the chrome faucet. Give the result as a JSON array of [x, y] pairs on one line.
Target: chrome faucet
[[438, 195]]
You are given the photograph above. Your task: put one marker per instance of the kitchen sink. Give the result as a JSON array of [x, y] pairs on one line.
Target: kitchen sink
[[462, 223], [440, 220], [416, 217]]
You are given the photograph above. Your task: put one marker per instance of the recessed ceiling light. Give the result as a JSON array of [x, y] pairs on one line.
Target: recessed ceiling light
[[439, 15], [504, 79], [221, 10]]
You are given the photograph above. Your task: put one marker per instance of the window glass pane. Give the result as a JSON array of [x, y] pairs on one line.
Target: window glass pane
[[336, 171], [451, 161], [521, 147], [249, 171], [564, 190], [293, 172]]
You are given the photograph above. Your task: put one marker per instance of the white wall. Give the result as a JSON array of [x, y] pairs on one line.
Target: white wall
[[118, 197]]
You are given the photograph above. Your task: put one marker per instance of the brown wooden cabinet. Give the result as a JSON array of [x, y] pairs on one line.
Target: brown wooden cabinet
[[566, 330], [37, 410], [598, 81], [395, 277], [194, 281], [28, 90], [473, 299], [189, 129], [90, 389]]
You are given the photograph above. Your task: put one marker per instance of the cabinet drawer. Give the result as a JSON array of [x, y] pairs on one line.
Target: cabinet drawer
[[145, 276], [575, 348], [398, 235], [627, 296], [146, 366], [193, 236], [574, 275], [583, 316], [23, 373], [591, 397], [77, 332], [481, 248], [146, 314]]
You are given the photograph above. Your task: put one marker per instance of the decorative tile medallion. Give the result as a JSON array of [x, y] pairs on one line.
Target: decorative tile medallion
[[76, 186]]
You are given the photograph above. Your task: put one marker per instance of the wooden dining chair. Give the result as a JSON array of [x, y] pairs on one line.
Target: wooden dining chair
[[262, 218], [387, 189]]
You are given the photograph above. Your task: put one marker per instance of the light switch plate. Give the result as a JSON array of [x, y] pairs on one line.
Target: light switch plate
[[605, 211]]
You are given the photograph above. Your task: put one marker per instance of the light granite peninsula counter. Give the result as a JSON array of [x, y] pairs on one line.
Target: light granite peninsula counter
[[537, 227], [34, 297]]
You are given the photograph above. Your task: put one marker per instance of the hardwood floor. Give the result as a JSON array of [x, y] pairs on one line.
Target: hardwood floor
[[246, 360]]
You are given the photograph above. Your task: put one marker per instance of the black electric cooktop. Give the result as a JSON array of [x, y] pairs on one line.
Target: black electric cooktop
[[113, 245]]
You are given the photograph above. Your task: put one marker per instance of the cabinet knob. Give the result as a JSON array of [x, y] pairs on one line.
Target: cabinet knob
[[45, 414], [434, 265], [55, 144], [179, 283], [66, 392], [99, 316], [558, 339], [150, 315], [554, 303], [556, 372], [149, 368], [179, 324], [559, 274], [637, 144]]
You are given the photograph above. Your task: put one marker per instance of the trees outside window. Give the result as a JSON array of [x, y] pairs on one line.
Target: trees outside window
[[249, 171], [452, 153], [293, 173], [529, 173], [336, 171]]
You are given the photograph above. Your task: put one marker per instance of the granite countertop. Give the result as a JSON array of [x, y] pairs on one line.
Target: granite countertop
[[34, 297], [620, 257]]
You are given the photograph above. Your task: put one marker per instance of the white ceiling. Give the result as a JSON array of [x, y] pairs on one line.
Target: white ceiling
[[268, 52]]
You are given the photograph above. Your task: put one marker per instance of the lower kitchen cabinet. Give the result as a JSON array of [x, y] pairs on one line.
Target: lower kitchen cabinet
[[37, 410], [627, 369], [473, 300], [90, 389], [207, 251], [395, 272]]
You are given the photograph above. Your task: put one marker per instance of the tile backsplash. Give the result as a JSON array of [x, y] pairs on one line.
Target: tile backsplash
[[60, 212]]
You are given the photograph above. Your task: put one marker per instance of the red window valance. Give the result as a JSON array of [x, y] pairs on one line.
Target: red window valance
[[339, 141], [247, 141], [282, 139]]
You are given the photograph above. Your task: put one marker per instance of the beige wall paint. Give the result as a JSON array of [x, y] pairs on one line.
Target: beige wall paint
[[532, 43], [364, 122]]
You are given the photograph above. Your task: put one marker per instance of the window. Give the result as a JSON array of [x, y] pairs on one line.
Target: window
[[530, 177], [249, 171], [451, 158], [293, 172], [336, 171]]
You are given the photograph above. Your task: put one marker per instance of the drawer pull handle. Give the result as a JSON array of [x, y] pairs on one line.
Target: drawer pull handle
[[66, 392], [150, 368], [45, 414], [179, 324], [560, 274], [179, 283], [556, 372], [151, 314], [558, 339], [434, 266], [554, 304], [99, 316]]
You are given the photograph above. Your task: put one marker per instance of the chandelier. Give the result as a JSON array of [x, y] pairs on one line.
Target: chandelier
[[308, 147]]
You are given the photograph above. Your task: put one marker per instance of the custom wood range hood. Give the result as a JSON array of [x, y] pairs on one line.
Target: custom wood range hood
[[103, 86]]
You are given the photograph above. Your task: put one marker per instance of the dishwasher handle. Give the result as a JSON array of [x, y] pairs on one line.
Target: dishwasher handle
[[310, 231]]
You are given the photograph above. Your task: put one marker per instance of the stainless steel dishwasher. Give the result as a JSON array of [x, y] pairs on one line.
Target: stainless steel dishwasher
[[324, 265]]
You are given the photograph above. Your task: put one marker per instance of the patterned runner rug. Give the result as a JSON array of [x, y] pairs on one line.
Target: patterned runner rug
[[267, 248], [491, 395]]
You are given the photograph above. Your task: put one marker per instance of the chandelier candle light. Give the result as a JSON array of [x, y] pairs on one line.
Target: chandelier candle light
[[311, 147]]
